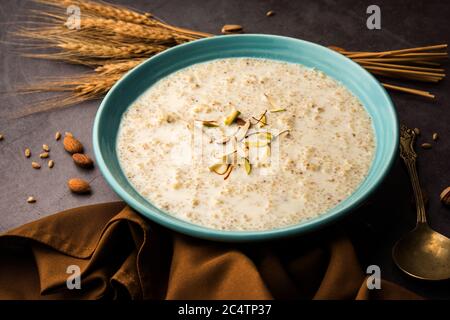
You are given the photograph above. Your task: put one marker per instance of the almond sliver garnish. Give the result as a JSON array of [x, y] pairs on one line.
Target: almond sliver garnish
[[274, 107], [219, 168], [247, 166], [243, 131], [209, 123], [229, 169], [277, 110]]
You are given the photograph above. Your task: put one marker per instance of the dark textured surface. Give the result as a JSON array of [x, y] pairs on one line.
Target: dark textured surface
[[343, 23]]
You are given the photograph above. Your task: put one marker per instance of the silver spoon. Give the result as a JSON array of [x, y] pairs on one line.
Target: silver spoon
[[422, 253]]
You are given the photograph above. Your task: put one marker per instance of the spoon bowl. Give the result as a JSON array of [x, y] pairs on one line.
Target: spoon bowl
[[423, 253]]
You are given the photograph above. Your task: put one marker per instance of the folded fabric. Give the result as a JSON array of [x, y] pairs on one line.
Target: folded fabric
[[122, 255]]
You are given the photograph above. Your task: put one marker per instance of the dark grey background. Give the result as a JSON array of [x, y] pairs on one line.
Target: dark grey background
[[343, 23]]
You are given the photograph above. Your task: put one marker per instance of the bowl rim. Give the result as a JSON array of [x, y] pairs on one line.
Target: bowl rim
[[199, 231]]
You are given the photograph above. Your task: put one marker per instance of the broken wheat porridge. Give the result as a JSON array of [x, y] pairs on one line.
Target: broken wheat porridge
[[246, 144]]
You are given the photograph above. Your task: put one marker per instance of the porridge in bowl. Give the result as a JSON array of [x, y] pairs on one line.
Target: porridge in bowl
[[246, 144]]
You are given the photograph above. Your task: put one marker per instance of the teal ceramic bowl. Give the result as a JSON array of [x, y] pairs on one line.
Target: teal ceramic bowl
[[356, 79]]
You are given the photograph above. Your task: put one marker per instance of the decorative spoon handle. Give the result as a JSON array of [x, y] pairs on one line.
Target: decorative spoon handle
[[409, 156]]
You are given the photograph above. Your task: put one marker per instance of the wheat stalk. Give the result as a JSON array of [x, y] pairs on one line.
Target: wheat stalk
[[91, 50], [114, 39], [97, 87], [128, 29], [94, 27], [87, 84], [76, 51], [79, 88], [118, 67], [103, 9]]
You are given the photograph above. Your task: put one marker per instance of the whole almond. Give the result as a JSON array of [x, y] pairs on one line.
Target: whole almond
[[57, 135], [35, 165], [50, 163], [270, 13], [27, 152], [72, 145], [231, 28], [445, 196], [44, 155], [45, 147], [82, 160], [31, 199], [435, 136], [426, 145], [78, 185]]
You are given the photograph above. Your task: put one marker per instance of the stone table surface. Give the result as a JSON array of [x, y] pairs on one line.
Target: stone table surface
[[328, 22]]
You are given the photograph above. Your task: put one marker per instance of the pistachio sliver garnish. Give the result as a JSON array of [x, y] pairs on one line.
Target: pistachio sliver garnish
[[262, 120], [247, 166], [278, 110], [219, 168], [232, 117]]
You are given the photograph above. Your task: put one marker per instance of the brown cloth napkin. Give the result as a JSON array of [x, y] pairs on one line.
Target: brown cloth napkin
[[123, 255]]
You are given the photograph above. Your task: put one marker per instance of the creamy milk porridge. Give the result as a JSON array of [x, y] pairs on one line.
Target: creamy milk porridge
[[246, 144]]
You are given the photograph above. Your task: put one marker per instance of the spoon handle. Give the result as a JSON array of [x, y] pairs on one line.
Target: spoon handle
[[409, 156]]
